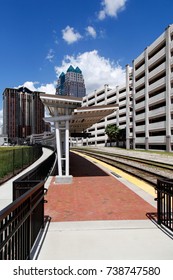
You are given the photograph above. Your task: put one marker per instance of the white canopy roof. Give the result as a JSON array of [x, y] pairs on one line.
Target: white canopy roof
[[80, 118]]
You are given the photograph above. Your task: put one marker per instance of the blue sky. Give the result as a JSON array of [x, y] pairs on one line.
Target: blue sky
[[41, 38]]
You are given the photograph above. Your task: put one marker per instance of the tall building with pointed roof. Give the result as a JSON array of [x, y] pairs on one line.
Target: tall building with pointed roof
[[71, 83]]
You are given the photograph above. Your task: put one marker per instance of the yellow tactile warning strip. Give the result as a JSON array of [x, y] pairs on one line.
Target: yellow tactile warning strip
[[137, 182]]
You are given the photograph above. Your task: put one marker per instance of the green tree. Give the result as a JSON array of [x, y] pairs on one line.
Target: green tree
[[112, 131]]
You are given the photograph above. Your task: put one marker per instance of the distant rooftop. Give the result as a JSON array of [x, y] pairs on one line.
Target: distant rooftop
[[72, 69], [22, 89], [62, 74]]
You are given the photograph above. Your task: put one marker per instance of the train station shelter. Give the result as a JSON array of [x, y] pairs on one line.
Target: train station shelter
[[70, 118]]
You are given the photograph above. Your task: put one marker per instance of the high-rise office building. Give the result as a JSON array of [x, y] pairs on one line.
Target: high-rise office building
[[23, 113], [71, 83]]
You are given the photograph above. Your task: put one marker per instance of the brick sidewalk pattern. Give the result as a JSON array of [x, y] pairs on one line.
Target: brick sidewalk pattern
[[93, 195]]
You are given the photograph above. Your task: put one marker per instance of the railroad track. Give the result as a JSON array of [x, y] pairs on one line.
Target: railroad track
[[147, 170]]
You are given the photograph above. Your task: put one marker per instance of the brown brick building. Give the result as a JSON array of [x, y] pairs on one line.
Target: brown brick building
[[23, 113]]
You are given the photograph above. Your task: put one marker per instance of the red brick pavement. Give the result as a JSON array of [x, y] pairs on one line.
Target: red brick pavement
[[93, 195]]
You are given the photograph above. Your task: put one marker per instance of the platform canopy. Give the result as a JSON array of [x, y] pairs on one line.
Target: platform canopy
[[80, 118], [69, 116], [57, 104]]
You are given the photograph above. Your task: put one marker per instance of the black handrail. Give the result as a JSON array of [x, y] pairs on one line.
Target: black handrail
[[165, 202], [22, 220], [20, 223], [39, 173]]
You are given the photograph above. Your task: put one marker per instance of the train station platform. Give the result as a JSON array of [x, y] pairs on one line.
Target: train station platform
[[101, 215]]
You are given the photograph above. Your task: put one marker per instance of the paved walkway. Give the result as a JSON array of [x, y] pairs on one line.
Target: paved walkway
[[93, 195], [100, 216], [106, 240]]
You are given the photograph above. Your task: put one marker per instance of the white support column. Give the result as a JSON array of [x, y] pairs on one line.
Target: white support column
[[62, 141], [146, 102], [127, 109], [67, 148], [134, 106], [95, 94], [106, 90], [58, 145], [168, 90], [117, 111]]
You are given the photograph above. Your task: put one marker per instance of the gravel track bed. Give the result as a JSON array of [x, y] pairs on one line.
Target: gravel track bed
[[168, 159]]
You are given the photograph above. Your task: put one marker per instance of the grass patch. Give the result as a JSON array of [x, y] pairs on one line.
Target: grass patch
[[14, 159]]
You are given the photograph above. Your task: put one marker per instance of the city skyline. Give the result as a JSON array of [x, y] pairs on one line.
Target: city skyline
[[39, 40]]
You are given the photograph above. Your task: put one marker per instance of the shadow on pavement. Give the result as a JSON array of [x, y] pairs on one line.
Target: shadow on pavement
[[81, 167]]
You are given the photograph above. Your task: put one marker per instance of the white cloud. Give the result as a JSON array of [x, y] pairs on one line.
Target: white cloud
[[47, 88], [111, 8], [30, 85], [55, 37], [97, 70], [70, 35], [91, 31], [50, 55]]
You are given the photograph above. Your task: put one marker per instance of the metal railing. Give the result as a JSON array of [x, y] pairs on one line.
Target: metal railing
[[15, 160], [37, 174], [165, 203], [20, 223], [22, 220]]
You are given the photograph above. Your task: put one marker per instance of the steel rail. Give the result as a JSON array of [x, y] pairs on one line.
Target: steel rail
[[132, 158], [140, 172]]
